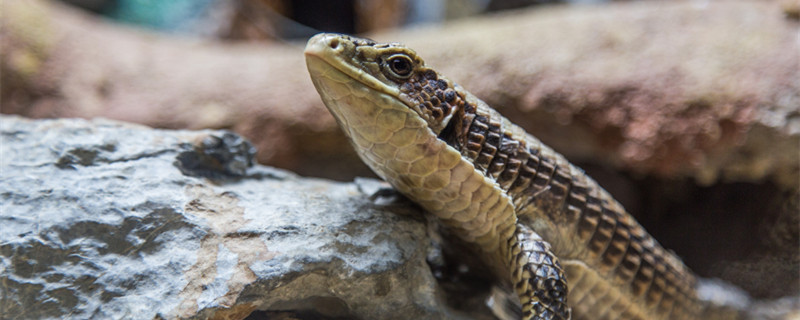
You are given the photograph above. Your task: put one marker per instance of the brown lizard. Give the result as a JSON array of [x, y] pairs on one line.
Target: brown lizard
[[546, 228]]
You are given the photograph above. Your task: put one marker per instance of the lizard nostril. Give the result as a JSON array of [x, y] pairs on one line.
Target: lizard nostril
[[334, 43]]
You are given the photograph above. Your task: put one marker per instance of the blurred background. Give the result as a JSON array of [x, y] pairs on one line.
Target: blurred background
[[687, 111], [290, 19]]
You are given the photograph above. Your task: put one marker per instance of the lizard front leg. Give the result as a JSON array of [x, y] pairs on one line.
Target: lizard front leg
[[538, 278]]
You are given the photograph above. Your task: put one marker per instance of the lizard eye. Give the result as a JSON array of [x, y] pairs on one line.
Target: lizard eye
[[400, 66]]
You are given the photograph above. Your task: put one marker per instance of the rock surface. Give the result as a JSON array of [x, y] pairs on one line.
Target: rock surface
[[107, 220], [102, 219]]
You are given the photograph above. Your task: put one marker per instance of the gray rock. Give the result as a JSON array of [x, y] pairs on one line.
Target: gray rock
[[108, 220], [103, 219]]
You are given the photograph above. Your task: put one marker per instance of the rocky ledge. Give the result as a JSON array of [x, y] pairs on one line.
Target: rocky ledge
[[108, 220]]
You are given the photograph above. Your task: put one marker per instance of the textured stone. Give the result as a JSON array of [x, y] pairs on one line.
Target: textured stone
[[107, 220], [102, 219]]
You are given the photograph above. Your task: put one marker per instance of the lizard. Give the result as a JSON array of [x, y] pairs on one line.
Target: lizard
[[562, 242]]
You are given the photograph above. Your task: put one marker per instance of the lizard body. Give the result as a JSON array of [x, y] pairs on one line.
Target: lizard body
[[563, 243]]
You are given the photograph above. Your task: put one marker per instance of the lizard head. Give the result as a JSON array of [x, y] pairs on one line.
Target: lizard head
[[348, 68]]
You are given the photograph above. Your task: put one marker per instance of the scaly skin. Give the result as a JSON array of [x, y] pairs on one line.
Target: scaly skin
[[527, 210]]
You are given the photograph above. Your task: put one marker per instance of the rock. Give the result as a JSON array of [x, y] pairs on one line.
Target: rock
[[675, 90], [102, 219], [108, 220]]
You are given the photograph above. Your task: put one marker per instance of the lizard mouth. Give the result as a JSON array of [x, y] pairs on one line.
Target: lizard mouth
[[353, 96], [328, 51], [335, 58]]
